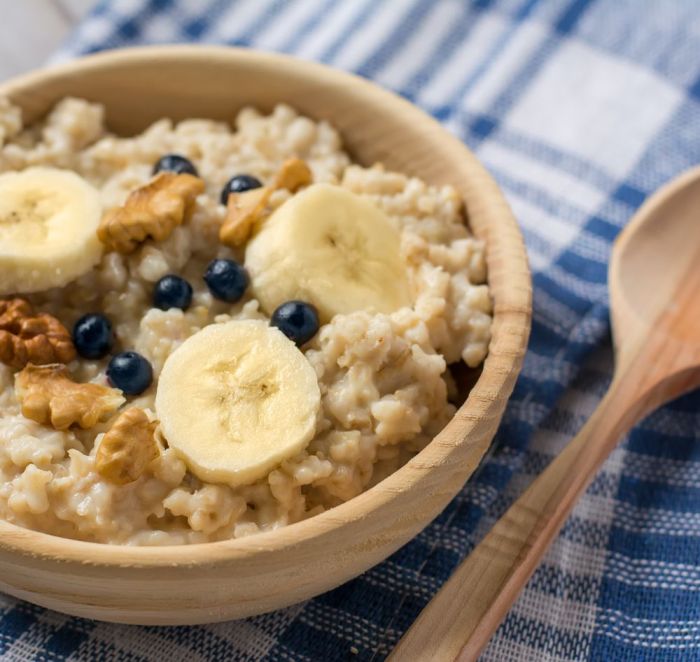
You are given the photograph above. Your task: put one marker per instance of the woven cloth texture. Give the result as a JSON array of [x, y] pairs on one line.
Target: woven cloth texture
[[580, 109]]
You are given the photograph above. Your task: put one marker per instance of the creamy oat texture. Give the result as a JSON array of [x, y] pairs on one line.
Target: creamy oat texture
[[383, 378]]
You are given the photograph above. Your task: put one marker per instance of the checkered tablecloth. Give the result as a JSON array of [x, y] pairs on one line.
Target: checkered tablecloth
[[580, 108]]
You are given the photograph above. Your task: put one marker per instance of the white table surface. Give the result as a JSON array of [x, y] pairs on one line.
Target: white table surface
[[31, 30]]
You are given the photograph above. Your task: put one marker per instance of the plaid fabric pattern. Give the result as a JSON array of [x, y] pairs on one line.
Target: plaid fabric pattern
[[580, 108]]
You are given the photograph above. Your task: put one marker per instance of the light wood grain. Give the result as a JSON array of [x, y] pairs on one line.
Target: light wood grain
[[223, 580], [654, 285]]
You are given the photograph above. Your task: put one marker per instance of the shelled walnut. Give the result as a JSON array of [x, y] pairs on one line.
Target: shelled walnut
[[293, 174], [26, 336], [49, 396], [245, 209], [127, 447], [150, 212]]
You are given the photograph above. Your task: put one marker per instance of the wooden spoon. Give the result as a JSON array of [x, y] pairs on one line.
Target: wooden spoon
[[654, 282]]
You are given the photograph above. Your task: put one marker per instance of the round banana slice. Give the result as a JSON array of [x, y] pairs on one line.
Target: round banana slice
[[331, 248], [236, 399], [48, 229]]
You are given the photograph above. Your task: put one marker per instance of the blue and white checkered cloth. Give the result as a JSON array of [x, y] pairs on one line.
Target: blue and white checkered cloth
[[580, 108]]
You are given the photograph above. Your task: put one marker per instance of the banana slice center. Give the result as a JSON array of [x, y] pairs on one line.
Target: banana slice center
[[346, 251], [29, 217], [242, 391]]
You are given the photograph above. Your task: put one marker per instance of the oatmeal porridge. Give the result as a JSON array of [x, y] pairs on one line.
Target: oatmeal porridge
[[212, 330]]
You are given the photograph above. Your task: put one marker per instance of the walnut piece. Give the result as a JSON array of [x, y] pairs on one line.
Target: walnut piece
[[127, 447], [49, 396], [29, 337], [246, 209], [293, 174], [150, 212]]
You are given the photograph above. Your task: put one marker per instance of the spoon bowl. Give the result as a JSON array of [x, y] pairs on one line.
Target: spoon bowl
[[655, 267]]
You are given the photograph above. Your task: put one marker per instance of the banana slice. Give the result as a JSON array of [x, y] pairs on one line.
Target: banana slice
[[331, 248], [236, 399], [48, 226]]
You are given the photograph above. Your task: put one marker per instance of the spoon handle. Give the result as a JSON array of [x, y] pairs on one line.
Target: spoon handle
[[460, 619]]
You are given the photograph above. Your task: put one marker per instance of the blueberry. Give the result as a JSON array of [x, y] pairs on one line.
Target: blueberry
[[92, 336], [175, 163], [239, 184], [298, 321], [172, 292], [226, 279], [130, 372]]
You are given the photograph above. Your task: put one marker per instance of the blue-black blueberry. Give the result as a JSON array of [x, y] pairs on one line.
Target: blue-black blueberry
[[298, 320], [175, 163], [226, 279], [130, 372], [92, 336], [239, 184], [172, 292]]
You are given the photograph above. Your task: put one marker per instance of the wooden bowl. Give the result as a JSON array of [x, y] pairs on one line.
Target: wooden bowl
[[235, 578]]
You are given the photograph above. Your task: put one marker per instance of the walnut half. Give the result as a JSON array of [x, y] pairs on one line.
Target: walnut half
[[26, 336], [127, 447], [49, 396], [150, 212], [245, 209]]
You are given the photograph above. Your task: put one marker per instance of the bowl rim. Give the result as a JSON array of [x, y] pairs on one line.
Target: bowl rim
[[37, 544]]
